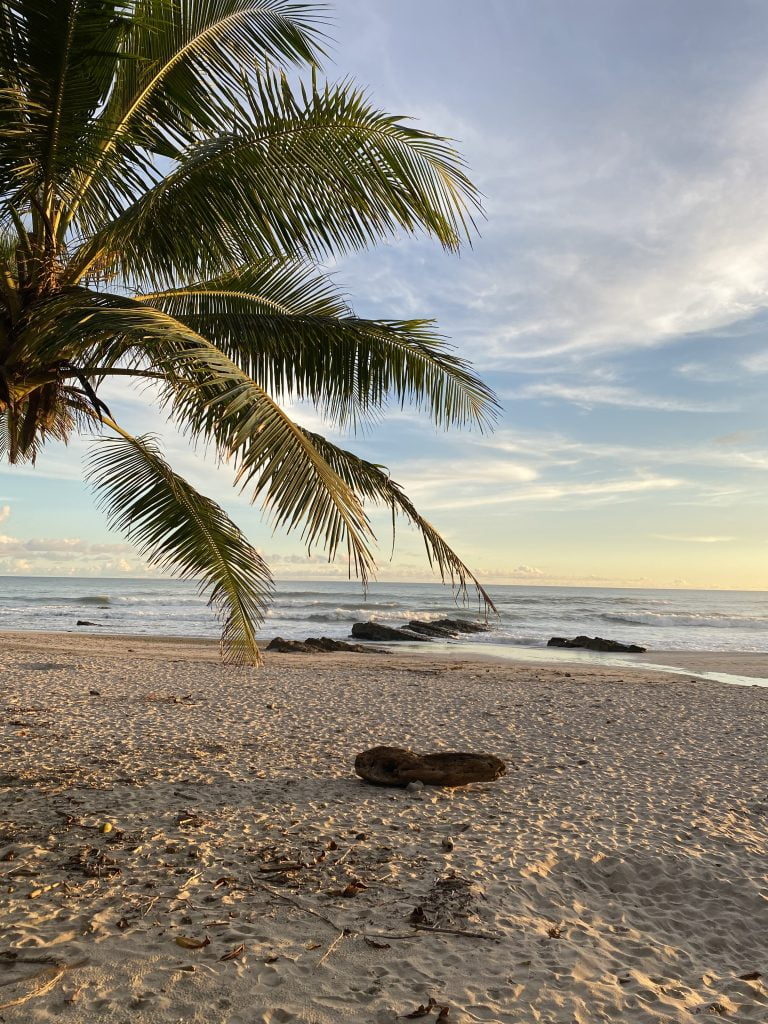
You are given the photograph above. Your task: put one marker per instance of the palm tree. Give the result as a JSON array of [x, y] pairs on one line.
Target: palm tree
[[167, 200]]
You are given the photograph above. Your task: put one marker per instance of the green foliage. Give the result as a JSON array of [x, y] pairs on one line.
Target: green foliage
[[177, 528], [165, 200]]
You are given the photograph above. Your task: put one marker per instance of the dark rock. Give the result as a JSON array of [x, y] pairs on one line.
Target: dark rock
[[430, 629], [462, 625], [384, 634], [85, 622], [395, 766], [595, 643], [327, 643], [287, 646], [316, 645]]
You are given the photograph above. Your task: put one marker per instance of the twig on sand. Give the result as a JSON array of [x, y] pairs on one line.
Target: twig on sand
[[342, 934], [294, 903], [457, 931], [365, 934], [52, 976]]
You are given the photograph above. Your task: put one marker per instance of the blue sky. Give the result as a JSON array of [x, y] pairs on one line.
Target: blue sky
[[616, 298]]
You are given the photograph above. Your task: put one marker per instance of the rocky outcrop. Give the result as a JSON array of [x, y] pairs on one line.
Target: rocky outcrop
[[85, 622], [595, 643], [430, 629], [384, 634], [396, 766], [417, 629], [461, 625], [315, 645]]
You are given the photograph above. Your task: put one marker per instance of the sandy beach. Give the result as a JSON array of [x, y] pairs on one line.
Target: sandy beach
[[183, 842]]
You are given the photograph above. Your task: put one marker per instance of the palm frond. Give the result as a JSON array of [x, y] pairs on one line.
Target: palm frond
[[318, 173], [51, 411], [178, 529], [60, 61], [148, 146], [212, 398], [287, 327], [181, 69], [373, 483]]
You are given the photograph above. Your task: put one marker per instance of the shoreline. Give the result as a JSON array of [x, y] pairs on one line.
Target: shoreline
[[616, 872], [733, 667]]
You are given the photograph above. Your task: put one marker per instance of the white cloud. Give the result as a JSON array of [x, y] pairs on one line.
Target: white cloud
[[67, 556], [756, 363], [589, 395]]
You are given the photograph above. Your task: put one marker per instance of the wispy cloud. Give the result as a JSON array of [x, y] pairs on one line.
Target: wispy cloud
[[589, 395], [757, 363], [610, 489]]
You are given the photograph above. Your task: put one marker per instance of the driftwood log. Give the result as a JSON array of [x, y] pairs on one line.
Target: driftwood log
[[395, 766]]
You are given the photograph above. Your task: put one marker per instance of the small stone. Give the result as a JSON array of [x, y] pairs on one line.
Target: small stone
[[447, 843], [415, 787], [94, 693], [361, 836]]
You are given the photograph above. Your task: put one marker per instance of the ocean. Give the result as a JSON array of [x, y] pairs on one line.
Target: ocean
[[662, 620]]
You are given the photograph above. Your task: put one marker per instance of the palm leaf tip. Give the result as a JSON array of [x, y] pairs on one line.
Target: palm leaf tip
[[176, 528], [373, 483]]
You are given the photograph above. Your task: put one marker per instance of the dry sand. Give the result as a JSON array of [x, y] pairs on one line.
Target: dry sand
[[617, 873]]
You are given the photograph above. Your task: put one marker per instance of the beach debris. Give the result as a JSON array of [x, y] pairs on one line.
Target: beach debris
[[384, 634], [424, 1010], [94, 863], [188, 943], [36, 893], [86, 622], [750, 976], [233, 954], [317, 645], [106, 827], [343, 933], [595, 643], [396, 766], [449, 898], [47, 977], [352, 889], [376, 945], [447, 843], [94, 693]]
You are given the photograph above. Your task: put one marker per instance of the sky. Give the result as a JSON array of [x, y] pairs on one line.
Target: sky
[[615, 296]]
